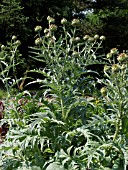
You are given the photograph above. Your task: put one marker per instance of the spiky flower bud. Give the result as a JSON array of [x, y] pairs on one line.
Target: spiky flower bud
[[48, 18], [102, 37], [106, 68], [91, 39], [96, 37], [14, 37], [109, 55], [53, 27], [2, 47], [75, 22], [38, 41], [76, 39], [17, 42], [46, 30], [64, 21], [103, 91], [114, 51], [86, 37], [38, 28], [115, 68], [122, 57], [51, 19]]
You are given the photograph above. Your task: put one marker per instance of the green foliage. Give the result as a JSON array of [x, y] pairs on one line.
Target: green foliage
[[3, 94], [10, 61], [18, 17], [109, 18], [72, 125], [12, 20]]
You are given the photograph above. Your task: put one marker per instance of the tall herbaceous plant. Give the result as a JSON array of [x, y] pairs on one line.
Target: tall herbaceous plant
[[66, 58], [73, 124]]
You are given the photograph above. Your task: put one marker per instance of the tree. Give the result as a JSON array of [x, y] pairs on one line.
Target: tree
[[12, 20], [108, 17]]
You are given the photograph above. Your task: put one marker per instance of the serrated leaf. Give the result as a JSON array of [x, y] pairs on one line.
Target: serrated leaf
[[69, 150], [55, 166]]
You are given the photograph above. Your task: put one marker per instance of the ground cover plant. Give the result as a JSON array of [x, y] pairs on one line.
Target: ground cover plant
[[72, 124]]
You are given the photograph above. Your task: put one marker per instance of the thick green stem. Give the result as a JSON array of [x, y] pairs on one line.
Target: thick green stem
[[119, 116], [62, 107], [117, 130]]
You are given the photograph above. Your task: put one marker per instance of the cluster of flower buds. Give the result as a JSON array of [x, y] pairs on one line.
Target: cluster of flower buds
[[96, 37], [114, 68], [75, 40], [47, 31], [113, 51], [53, 28], [16, 42], [121, 58]]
